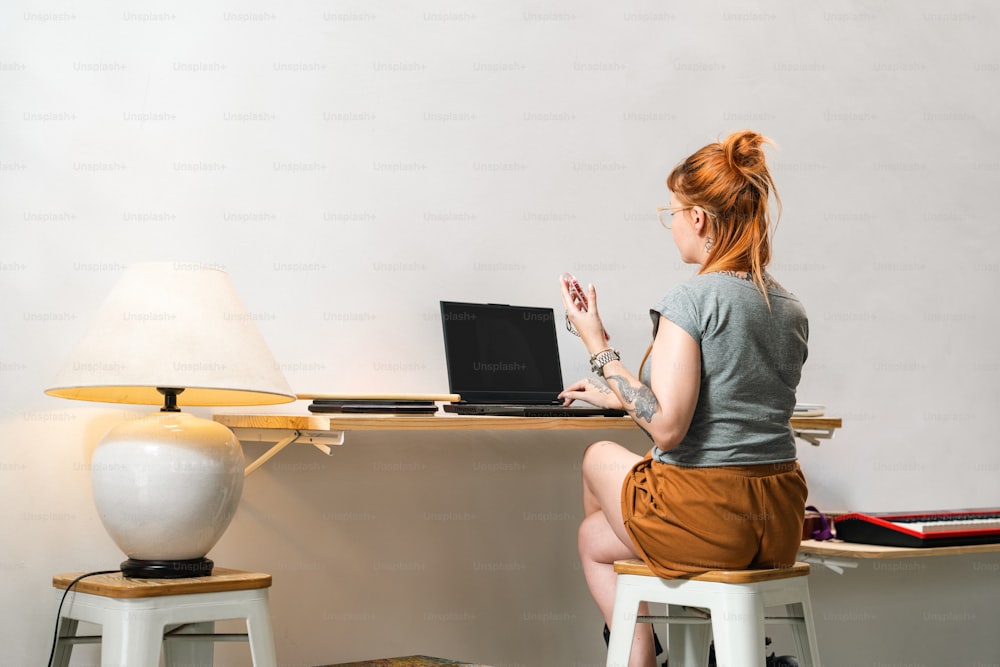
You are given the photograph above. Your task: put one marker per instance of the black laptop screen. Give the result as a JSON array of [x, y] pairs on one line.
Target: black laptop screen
[[499, 352]]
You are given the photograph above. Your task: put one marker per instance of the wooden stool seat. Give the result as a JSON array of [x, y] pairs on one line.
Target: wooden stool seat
[[639, 568], [117, 586], [137, 616], [735, 602]]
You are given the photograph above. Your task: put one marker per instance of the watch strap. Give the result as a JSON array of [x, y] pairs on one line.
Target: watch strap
[[601, 359]]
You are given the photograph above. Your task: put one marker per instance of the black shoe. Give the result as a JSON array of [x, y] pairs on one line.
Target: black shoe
[[656, 640], [772, 661]]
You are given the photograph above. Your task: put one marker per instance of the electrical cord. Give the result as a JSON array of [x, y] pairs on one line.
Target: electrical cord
[[55, 635]]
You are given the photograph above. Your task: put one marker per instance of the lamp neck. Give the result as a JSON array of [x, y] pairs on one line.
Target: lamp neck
[[169, 399]]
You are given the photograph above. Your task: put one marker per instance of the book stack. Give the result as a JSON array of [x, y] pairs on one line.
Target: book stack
[[400, 404], [809, 410]]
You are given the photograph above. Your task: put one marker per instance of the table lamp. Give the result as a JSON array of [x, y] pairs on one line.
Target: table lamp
[[166, 485]]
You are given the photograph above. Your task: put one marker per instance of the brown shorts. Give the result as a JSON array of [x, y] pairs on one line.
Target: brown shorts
[[689, 520]]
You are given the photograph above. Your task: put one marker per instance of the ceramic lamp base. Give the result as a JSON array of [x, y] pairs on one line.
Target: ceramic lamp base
[[166, 487]]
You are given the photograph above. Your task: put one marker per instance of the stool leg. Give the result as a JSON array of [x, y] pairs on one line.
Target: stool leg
[[261, 635], [197, 653], [687, 645], [804, 633], [738, 626], [64, 650], [622, 623], [130, 642]]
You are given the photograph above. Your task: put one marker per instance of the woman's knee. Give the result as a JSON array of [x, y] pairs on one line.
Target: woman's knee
[[598, 455], [606, 462], [597, 449]]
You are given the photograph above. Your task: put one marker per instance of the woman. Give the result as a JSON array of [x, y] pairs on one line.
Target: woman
[[720, 488]]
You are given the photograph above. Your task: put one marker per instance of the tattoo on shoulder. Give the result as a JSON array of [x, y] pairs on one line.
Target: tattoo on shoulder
[[641, 399]]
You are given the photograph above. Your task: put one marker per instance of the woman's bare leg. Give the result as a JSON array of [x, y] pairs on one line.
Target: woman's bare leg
[[602, 538]]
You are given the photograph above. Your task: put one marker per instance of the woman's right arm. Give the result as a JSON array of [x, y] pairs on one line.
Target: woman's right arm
[[665, 408]]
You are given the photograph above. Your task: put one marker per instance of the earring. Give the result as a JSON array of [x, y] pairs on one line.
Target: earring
[[708, 245]]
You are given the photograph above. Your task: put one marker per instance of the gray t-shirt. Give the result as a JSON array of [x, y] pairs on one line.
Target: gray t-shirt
[[751, 362]]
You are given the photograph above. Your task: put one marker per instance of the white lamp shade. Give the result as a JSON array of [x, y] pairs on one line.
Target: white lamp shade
[[173, 325]]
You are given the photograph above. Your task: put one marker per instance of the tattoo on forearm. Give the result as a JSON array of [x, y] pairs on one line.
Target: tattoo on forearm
[[600, 385], [641, 400]]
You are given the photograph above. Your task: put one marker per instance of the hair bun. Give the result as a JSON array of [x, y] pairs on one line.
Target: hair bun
[[744, 152]]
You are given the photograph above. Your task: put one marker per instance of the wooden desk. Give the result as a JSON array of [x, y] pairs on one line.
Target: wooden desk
[[839, 549], [946, 605], [452, 422], [437, 422], [324, 431]]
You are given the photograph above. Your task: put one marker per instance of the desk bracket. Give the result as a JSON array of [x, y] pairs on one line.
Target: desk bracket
[[836, 564], [813, 435], [321, 440]]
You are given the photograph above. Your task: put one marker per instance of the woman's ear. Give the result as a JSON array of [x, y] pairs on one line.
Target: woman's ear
[[700, 219]]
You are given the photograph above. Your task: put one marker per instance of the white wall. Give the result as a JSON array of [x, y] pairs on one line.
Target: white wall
[[351, 164]]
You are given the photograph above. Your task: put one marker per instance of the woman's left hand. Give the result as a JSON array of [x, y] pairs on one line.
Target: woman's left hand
[[592, 390], [585, 317]]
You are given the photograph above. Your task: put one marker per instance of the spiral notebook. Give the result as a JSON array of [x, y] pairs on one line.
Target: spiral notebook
[[504, 360]]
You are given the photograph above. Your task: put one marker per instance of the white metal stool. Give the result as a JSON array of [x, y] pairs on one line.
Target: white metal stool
[[138, 616], [735, 601]]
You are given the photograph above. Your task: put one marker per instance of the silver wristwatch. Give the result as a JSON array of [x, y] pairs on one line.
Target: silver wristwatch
[[599, 360]]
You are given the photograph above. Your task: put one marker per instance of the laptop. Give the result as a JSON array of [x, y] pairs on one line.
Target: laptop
[[504, 360]]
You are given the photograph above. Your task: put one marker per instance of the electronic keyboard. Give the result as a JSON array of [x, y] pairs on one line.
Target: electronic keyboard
[[921, 529]]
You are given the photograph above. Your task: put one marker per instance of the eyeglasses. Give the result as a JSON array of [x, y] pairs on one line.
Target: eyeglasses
[[660, 210], [671, 210]]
